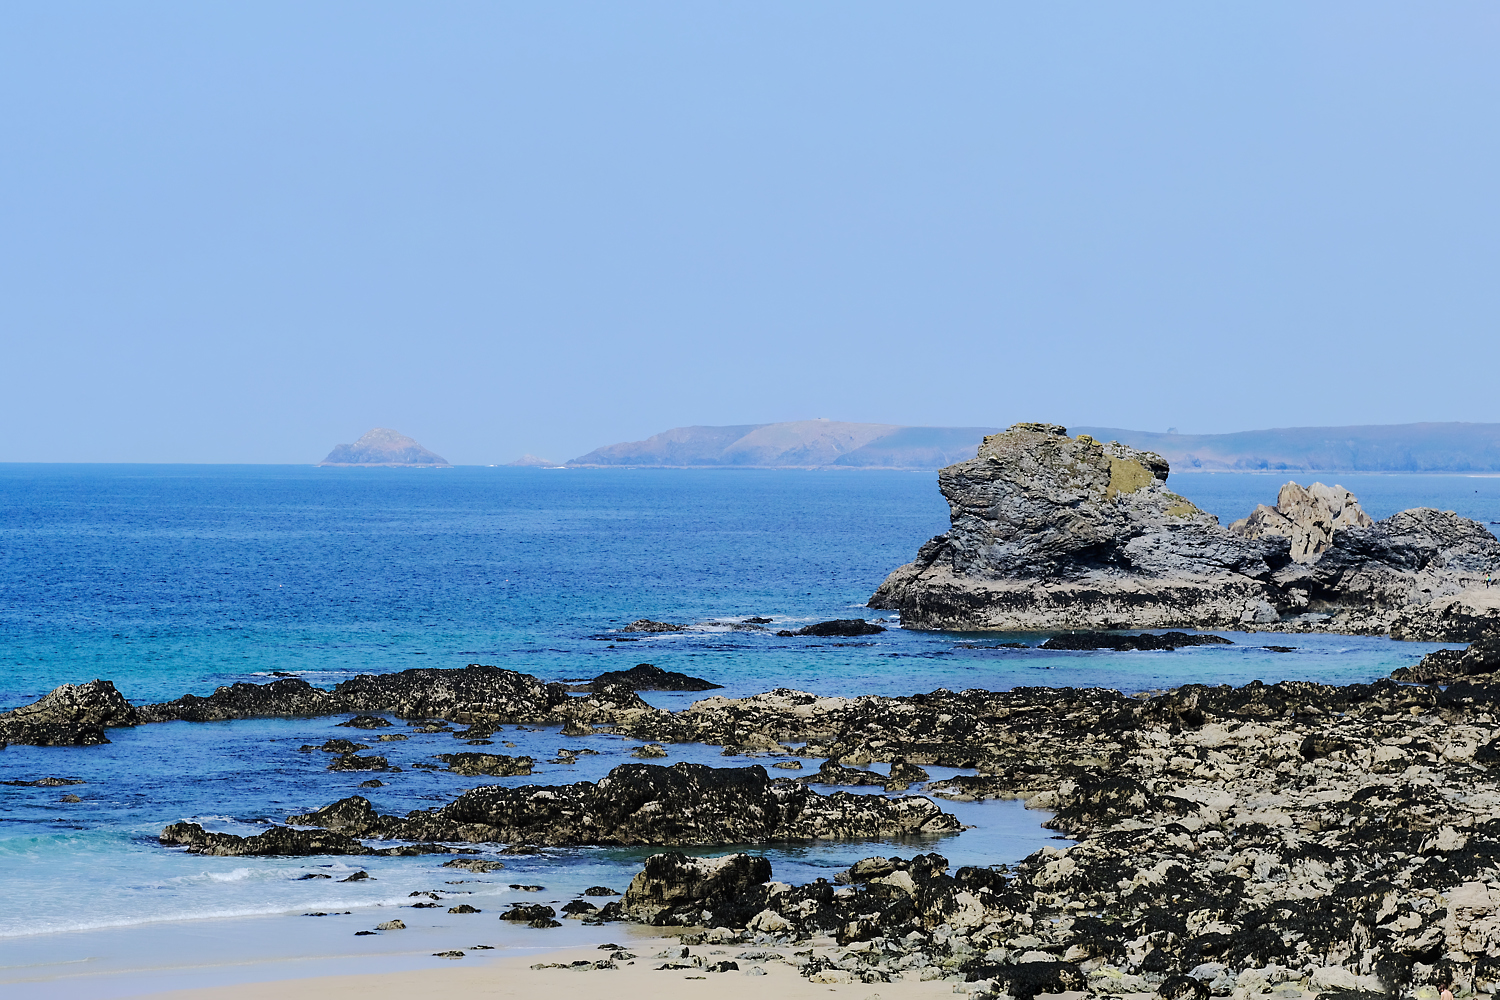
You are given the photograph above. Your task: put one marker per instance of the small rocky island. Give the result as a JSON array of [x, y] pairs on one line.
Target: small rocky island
[[384, 447], [1055, 532]]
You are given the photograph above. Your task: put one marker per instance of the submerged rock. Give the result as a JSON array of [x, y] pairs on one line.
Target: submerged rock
[[647, 804], [1167, 641], [847, 627], [494, 765], [1051, 532]]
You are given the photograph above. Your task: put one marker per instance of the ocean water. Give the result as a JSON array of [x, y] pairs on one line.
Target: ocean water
[[169, 580]]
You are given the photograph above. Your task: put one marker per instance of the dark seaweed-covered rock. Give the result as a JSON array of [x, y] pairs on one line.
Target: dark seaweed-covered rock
[[846, 627], [290, 696], [67, 716], [529, 912], [675, 884], [367, 722], [649, 804], [647, 625], [1025, 980], [494, 765], [646, 677], [1444, 666], [45, 782], [354, 762], [275, 841], [1167, 641]]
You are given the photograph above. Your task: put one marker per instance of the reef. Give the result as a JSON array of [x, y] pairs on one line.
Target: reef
[[1051, 532]]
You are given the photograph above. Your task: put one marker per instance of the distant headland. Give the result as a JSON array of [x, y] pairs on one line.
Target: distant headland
[[385, 447], [813, 444]]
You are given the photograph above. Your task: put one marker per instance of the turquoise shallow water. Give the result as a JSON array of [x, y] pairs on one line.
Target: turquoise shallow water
[[175, 579]]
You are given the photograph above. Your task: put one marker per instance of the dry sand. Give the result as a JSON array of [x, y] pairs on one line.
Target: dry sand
[[513, 976]]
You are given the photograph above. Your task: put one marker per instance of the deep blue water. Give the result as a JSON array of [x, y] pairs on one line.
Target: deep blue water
[[170, 579]]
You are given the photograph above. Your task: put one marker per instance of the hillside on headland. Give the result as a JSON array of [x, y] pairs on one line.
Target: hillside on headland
[[1427, 447], [795, 444], [384, 447]]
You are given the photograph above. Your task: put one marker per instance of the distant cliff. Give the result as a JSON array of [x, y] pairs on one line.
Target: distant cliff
[[795, 444], [1432, 447], [383, 446]]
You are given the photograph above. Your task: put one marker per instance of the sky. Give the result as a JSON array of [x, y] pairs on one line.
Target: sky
[[249, 232]]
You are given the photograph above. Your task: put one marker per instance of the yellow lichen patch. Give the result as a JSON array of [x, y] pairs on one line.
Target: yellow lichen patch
[[1183, 509], [1086, 439], [1126, 475]]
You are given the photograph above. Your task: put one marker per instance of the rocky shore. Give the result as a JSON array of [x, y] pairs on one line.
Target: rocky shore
[[1229, 841], [1053, 532]]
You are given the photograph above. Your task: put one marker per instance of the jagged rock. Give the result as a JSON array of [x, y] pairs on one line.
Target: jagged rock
[[69, 715], [649, 750], [1444, 666], [1308, 516], [647, 804], [647, 625], [1051, 532], [646, 677], [675, 883], [1167, 641], [391, 925], [495, 765], [46, 782]]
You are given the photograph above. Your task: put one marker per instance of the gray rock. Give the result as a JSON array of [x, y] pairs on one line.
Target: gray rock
[[1050, 532]]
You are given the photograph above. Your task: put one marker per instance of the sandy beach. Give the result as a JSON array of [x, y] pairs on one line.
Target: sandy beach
[[518, 976]]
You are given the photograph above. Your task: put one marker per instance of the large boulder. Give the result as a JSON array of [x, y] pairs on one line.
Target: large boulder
[[1052, 532], [675, 882]]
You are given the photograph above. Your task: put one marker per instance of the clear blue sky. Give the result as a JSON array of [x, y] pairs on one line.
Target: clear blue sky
[[247, 232]]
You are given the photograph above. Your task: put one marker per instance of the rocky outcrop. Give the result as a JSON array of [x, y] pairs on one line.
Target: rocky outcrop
[[384, 447], [280, 841], [646, 804], [70, 715], [476, 695], [1051, 532], [1308, 517]]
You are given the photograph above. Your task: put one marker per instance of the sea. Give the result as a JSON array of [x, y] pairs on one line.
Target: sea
[[170, 580]]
